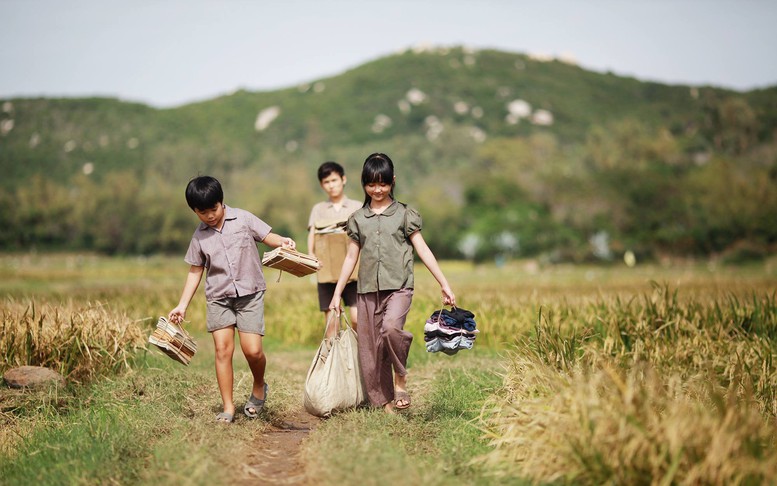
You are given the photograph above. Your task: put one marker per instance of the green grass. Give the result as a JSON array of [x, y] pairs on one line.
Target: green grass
[[431, 443], [154, 424]]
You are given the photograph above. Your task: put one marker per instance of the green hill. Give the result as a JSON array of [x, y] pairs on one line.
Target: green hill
[[476, 135]]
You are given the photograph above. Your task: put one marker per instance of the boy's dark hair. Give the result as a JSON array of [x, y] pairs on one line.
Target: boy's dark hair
[[203, 192], [329, 167], [378, 168]]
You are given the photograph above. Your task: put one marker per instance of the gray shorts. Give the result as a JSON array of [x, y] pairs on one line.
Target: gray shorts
[[246, 312]]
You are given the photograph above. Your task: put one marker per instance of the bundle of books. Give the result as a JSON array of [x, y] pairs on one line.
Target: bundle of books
[[173, 340], [326, 226], [291, 261]]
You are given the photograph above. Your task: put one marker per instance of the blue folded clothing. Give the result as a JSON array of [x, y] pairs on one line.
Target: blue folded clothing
[[458, 318], [437, 333], [451, 346]]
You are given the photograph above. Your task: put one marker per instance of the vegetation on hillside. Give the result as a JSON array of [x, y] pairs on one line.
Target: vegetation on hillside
[[503, 154]]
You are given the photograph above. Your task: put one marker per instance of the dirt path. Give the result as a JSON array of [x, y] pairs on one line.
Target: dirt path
[[273, 457]]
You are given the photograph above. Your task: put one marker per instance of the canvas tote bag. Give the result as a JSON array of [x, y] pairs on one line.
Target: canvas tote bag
[[334, 380]]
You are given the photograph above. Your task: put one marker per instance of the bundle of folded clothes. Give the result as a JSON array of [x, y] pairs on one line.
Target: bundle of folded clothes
[[450, 330]]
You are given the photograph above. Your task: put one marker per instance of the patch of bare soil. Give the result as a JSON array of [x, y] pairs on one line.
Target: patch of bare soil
[[275, 455]]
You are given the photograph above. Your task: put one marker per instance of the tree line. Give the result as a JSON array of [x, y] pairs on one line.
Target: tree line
[[628, 187]]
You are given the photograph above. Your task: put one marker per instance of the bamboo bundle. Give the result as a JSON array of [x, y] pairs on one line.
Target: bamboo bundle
[[292, 261], [173, 340]]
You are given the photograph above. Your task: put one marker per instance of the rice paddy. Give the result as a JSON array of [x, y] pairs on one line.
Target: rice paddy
[[583, 375]]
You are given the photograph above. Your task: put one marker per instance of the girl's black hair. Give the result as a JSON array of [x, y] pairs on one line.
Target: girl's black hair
[[377, 168], [203, 192]]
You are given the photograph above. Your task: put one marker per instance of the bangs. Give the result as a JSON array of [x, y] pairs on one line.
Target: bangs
[[378, 169], [203, 193]]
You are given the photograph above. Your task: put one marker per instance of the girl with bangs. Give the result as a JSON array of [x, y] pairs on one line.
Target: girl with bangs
[[383, 235]]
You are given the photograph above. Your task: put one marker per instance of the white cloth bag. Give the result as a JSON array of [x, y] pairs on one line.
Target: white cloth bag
[[334, 380]]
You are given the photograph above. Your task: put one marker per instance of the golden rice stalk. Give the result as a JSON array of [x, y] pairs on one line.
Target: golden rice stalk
[[78, 340], [625, 427]]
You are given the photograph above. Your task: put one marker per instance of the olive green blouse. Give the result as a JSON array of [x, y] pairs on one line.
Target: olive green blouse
[[386, 257]]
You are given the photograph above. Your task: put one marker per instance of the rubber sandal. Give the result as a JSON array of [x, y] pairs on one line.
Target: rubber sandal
[[256, 404], [225, 417], [401, 396]]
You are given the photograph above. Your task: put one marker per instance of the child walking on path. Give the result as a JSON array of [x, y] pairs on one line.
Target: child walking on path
[[327, 240], [383, 234], [225, 244]]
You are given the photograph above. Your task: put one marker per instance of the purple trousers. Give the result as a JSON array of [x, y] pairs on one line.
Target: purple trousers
[[383, 342]]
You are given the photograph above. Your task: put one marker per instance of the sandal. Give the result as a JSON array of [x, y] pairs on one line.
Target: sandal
[[226, 418], [255, 405], [401, 396]]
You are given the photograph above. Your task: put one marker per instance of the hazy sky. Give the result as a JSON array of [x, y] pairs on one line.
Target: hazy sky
[[167, 53]]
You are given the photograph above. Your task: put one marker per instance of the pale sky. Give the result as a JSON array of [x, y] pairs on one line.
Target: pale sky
[[168, 53]]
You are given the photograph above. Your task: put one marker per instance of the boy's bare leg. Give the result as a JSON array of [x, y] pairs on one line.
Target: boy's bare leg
[[224, 341], [251, 344], [354, 316]]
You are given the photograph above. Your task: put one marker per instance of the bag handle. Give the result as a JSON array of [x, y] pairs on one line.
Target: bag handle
[[331, 319], [439, 318], [439, 312]]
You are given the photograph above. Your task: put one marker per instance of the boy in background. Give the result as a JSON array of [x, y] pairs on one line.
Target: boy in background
[[328, 242], [225, 244]]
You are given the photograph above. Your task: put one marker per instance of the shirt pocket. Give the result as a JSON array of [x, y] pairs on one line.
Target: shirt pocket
[[243, 239]]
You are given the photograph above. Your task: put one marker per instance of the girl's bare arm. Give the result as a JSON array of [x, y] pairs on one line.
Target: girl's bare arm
[[351, 257], [426, 255]]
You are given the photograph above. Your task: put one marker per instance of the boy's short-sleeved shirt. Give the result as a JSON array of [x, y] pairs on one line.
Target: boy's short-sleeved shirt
[[386, 255], [327, 211], [230, 256]]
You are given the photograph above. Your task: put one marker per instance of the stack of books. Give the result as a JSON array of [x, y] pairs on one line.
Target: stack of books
[[173, 340], [292, 261], [326, 226]]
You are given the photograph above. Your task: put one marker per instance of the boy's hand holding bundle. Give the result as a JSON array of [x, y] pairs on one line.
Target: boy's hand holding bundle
[[289, 243]]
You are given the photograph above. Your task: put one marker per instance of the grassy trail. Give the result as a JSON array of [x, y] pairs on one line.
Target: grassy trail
[[156, 425], [153, 423], [273, 455], [297, 448]]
